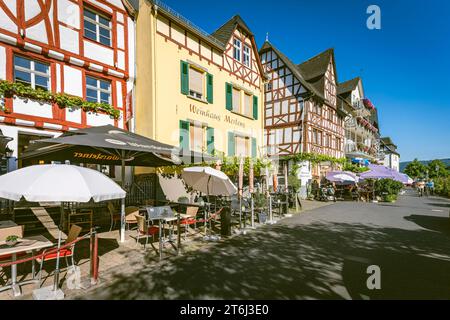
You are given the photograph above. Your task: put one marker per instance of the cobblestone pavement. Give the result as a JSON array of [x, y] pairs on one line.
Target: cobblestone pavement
[[114, 259], [321, 253]]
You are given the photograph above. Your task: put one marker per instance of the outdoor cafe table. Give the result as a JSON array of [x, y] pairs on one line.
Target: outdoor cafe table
[[152, 214], [162, 214], [23, 245], [204, 205], [280, 203], [7, 224]]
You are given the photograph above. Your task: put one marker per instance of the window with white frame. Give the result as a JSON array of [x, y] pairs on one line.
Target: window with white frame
[[31, 72], [317, 137], [246, 57], [237, 49], [197, 137], [248, 111], [242, 146], [196, 86], [236, 100], [98, 90], [97, 27]]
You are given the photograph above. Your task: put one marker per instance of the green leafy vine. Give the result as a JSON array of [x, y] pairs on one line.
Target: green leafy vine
[[314, 158], [11, 89]]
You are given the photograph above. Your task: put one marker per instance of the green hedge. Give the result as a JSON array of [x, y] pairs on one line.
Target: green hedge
[[442, 186], [388, 189]]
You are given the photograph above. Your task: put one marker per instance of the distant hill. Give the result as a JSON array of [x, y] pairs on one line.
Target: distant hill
[[425, 162]]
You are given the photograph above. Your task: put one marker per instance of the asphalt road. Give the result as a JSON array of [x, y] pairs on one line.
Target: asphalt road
[[319, 254]]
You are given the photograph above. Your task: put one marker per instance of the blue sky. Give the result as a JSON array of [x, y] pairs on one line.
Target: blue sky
[[405, 66]]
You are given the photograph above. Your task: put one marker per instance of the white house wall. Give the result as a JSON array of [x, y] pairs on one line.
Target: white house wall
[[56, 38]]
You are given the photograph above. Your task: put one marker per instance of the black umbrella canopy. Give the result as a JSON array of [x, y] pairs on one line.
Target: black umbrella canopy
[[189, 157], [106, 145]]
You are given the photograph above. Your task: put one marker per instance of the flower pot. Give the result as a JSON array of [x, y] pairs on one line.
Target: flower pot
[[11, 242], [262, 217]]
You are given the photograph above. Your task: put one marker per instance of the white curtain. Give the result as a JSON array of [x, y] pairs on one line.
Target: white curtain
[[248, 105], [196, 81], [236, 100]]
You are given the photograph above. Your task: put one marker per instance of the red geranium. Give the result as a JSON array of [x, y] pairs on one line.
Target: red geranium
[[368, 104]]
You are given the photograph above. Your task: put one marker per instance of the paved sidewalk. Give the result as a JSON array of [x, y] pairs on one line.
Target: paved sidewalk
[[320, 254], [119, 260]]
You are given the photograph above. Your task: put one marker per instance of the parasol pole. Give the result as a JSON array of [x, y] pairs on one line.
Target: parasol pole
[[286, 187], [207, 205], [240, 185], [251, 190], [122, 206], [269, 197], [56, 280]]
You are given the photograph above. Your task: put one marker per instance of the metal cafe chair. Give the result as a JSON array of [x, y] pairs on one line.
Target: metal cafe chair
[[236, 208], [189, 219], [145, 230], [66, 253]]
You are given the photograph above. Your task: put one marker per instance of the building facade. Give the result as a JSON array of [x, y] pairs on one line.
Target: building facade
[[301, 114], [362, 138], [391, 157], [59, 50], [199, 91]]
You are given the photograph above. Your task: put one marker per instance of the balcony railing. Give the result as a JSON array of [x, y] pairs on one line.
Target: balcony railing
[[361, 109], [353, 147]]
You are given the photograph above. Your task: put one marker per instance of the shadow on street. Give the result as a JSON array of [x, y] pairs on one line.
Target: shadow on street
[[316, 261]]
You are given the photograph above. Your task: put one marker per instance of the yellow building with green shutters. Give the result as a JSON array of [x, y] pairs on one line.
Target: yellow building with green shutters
[[202, 92]]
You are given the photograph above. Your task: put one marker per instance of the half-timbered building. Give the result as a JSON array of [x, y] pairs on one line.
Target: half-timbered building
[[362, 138], [198, 90], [301, 114], [69, 48]]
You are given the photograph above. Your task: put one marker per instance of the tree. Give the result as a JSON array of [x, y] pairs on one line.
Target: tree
[[437, 168], [416, 169]]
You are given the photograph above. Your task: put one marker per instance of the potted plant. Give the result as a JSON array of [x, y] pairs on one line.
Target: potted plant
[[11, 240], [388, 189], [260, 204]]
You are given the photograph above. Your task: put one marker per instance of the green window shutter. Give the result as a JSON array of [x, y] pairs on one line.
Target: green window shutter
[[230, 143], [184, 68], [253, 147], [209, 88], [229, 96], [255, 107], [184, 135], [210, 140]]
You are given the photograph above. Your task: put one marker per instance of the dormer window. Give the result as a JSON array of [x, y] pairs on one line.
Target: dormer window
[[237, 49]]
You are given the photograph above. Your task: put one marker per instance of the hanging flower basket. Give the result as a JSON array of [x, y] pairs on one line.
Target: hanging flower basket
[[368, 104]]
